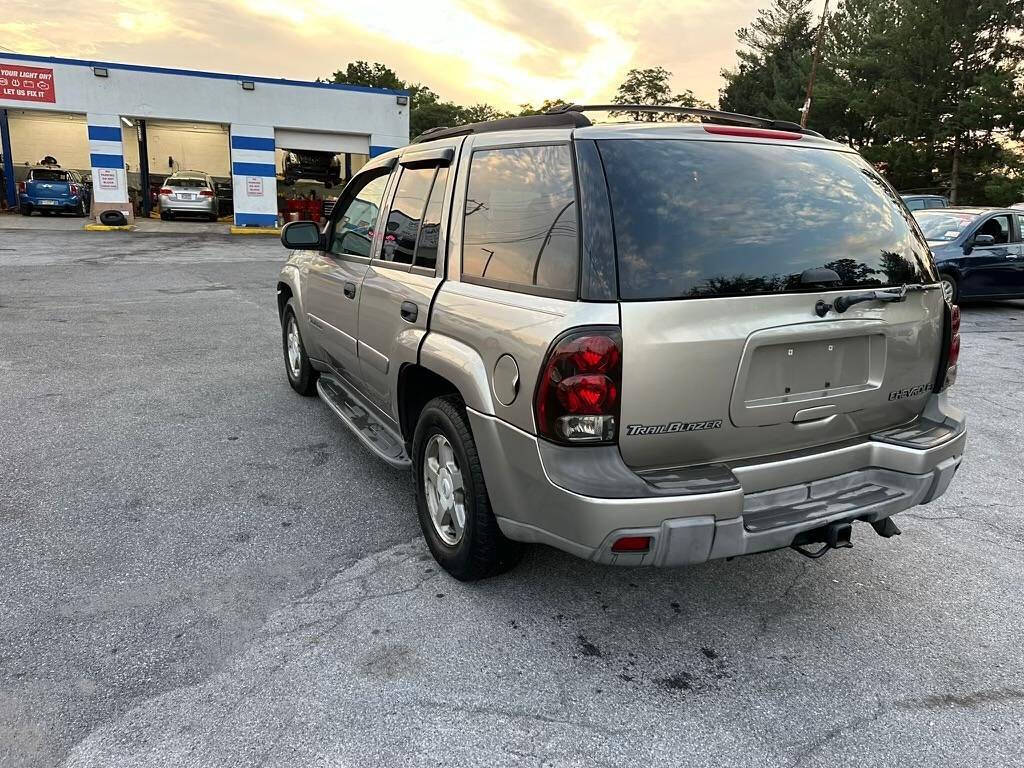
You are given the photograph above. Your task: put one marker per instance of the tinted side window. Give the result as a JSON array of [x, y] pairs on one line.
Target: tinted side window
[[1000, 229], [426, 244], [353, 230], [520, 219], [935, 204], [710, 218], [915, 205], [406, 211]]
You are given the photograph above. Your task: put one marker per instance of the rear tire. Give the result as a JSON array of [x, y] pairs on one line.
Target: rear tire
[[447, 467], [950, 289], [300, 372], [26, 211]]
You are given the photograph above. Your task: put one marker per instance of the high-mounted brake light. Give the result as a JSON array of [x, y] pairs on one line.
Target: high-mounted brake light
[[578, 392], [756, 133]]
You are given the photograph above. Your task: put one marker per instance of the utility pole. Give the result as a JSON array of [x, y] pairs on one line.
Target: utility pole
[[814, 65]]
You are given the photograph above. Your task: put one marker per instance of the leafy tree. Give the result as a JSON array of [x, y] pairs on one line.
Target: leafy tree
[[651, 86], [546, 106], [931, 89], [774, 63]]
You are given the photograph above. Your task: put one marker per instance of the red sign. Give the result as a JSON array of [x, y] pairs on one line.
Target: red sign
[[26, 83]]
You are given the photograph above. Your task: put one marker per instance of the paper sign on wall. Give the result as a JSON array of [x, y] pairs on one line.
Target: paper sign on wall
[[26, 83], [107, 178], [254, 186]]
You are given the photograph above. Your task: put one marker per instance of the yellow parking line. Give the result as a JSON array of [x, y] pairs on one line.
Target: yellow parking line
[[254, 230]]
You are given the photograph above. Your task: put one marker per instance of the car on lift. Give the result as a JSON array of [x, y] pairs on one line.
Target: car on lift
[[52, 189], [188, 193], [311, 165], [641, 343], [979, 252]]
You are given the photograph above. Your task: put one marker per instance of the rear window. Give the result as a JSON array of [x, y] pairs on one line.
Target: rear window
[[184, 182], [698, 219], [45, 174]]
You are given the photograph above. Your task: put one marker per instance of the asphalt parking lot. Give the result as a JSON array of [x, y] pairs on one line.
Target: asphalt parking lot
[[200, 568]]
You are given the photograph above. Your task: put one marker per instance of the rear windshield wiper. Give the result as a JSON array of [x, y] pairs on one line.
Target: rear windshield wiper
[[843, 303]]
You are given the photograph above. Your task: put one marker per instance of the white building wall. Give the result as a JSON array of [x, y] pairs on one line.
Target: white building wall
[[369, 118]]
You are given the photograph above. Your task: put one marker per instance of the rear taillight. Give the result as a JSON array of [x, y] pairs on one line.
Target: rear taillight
[[577, 397], [632, 544], [166, 191], [74, 189], [206, 193], [953, 352], [21, 187]]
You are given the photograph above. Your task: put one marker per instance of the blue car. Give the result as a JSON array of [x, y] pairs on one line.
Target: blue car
[[51, 189], [979, 251]]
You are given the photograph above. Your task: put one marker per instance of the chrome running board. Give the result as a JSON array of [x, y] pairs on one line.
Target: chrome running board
[[377, 436]]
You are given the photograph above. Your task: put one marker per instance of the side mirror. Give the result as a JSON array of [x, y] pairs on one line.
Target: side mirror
[[301, 235], [978, 241]]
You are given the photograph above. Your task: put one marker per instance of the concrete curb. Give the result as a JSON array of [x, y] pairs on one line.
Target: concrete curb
[[254, 230], [105, 228]]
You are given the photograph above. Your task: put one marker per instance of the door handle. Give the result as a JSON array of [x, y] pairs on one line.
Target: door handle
[[409, 311], [350, 290]]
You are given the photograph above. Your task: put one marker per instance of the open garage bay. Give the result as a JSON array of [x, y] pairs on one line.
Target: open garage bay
[[199, 567]]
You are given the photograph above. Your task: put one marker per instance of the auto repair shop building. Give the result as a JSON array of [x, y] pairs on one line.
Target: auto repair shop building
[[122, 123]]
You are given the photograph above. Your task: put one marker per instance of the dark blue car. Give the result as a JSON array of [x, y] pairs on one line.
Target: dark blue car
[[978, 251]]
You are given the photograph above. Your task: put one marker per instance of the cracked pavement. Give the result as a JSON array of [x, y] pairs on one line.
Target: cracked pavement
[[200, 568]]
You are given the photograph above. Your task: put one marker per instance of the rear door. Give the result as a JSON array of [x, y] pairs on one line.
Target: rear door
[[49, 187], [724, 248], [404, 274]]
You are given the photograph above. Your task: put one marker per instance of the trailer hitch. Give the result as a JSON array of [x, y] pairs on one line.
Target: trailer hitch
[[832, 536]]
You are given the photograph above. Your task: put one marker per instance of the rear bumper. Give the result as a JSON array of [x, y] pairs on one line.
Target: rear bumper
[[206, 205], [48, 203], [582, 502]]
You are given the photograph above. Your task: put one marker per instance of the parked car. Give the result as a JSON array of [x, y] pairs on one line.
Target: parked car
[[189, 193], [978, 251], [644, 344], [920, 202], [51, 189], [312, 166]]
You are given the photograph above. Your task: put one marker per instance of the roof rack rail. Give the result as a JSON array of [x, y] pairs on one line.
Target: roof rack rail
[[546, 120], [707, 115]]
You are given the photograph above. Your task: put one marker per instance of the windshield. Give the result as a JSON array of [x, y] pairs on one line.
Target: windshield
[[43, 174], [710, 218], [944, 226]]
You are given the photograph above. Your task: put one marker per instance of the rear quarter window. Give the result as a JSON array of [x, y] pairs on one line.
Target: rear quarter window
[[698, 219], [520, 229]]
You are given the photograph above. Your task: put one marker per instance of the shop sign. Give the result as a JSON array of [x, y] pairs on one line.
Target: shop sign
[[26, 83]]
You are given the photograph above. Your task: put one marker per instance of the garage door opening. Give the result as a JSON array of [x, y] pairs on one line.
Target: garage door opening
[[313, 168], [50, 162], [185, 151]]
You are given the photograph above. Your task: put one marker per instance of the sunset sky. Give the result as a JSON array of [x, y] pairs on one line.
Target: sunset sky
[[503, 52]]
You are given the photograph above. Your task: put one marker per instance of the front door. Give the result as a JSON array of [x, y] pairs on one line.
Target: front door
[[400, 283], [335, 277], [994, 270]]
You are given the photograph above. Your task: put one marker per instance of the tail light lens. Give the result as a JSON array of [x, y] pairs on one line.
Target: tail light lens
[[21, 187], [166, 191], [206, 193], [577, 397], [953, 353], [74, 189]]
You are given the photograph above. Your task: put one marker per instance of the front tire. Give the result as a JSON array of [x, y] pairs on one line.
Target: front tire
[[451, 497], [300, 372], [950, 289]]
